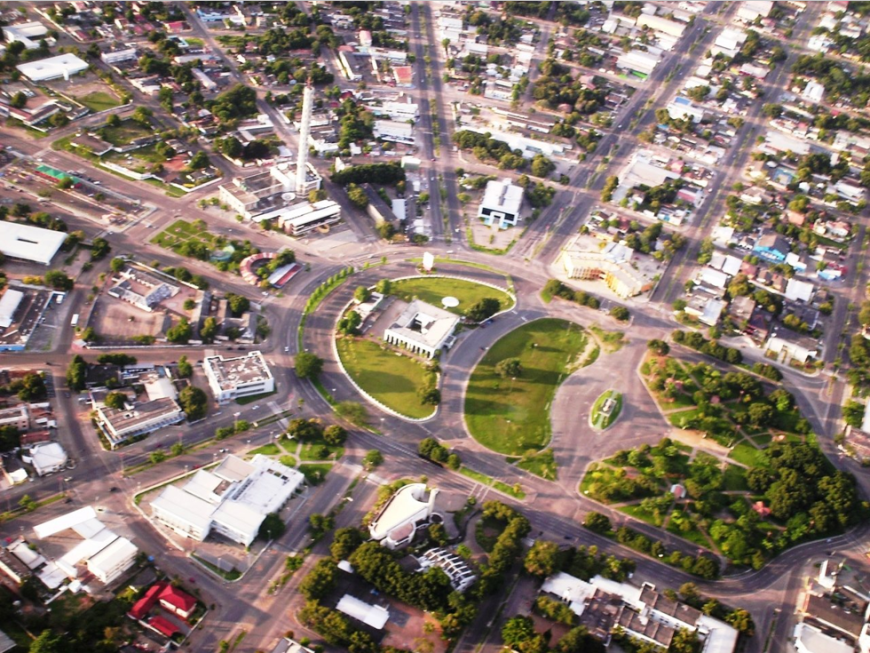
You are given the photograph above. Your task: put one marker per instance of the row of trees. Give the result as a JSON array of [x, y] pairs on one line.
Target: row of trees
[[555, 288], [431, 449], [712, 348], [371, 173]]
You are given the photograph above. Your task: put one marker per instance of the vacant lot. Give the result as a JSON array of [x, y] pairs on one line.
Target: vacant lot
[[513, 415], [98, 101], [391, 378], [111, 319], [128, 131], [432, 290]]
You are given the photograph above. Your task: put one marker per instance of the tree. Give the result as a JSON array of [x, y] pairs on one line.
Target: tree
[[47, 642], [542, 560], [198, 161], [357, 196], [509, 368], [344, 542], [19, 100], [349, 324], [372, 459], [117, 264], [58, 280], [483, 309], [194, 402], [384, 286], [429, 396], [517, 630], [320, 524], [184, 369], [31, 387], [305, 430], [362, 294], [335, 435], [742, 621], [76, 373], [598, 523], [308, 365], [113, 120], [320, 581], [853, 414], [27, 503], [230, 147], [272, 528], [620, 313], [386, 230], [116, 400], [658, 346], [179, 333], [238, 303], [208, 330], [317, 195]]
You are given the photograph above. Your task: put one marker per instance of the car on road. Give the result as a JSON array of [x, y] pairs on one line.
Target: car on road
[[286, 349], [114, 489]]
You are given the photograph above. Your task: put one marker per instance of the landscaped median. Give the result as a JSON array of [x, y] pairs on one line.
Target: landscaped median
[[434, 289], [605, 410], [507, 406]]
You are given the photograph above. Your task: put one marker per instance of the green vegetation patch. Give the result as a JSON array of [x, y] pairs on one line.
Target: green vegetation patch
[[99, 101], [315, 473], [433, 289], [392, 378], [541, 464], [512, 415], [610, 401], [125, 133]]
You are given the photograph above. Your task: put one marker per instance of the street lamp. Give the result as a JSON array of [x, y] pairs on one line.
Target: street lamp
[[236, 420]]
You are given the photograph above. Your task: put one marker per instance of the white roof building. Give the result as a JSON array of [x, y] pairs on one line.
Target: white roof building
[[63, 65], [29, 243], [28, 33], [241, 376], [660, 24], [46, 458], [398, 520], [814, 92], [113, 560], [393, 130], [799, 290], [638, 60], [460, 574], [812, 640], [422, 328], [9, 303], [231, 500], [501, 203], [752, 9], [371, 615]]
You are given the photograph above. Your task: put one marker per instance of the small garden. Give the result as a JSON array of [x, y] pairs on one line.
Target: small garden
[[507, 403], [755, 483], [606, 409]]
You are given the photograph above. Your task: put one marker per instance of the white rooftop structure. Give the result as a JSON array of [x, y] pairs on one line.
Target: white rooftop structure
[[571, 590], [422, 328], [113, 560], [371, 615], [62, 523], [63, 65], [812, 640], [232, 500], [28, 33], [460, 574], [240, 376], [398, 519], [799, 290], [46, 458], [502, 201], [29, 243], [8, 305]]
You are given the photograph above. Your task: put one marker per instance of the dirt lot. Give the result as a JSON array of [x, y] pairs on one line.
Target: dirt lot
[[405, 629], [111, 320]]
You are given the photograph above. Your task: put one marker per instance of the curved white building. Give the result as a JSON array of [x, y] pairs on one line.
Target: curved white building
[[397, 522]]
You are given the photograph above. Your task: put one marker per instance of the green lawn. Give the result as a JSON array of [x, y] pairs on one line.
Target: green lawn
[[515, 491], [290, 461], [128, 131], [267, 450], [433, 290], [391, 378], [319, 450], [644, 515], [688, 415], [513, 416], [316, 473], [543, 464], [476, 476], [599, 419], [748, 455], [99, 101]]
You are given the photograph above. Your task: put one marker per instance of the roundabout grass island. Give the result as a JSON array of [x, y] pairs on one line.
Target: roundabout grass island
[[605, 410]]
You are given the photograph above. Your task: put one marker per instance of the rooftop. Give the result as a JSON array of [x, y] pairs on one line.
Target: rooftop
[[502, 195], [424, 323], [29, 243], [233, 372]]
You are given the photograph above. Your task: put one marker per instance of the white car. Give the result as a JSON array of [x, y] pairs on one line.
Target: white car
[[286, 349]]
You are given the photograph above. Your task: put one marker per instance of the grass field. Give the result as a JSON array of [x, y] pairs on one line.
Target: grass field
[[390, 378], [748, 455], [316, 473], [433, 290], [513, 416], [179, 232], [543, 464], [99, 101], [476, 476], [127, 132]]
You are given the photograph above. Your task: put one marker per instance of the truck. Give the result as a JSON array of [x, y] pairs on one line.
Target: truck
[[75, 320]]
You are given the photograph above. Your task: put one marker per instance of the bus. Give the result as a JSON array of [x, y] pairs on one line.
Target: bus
[[75, 320]]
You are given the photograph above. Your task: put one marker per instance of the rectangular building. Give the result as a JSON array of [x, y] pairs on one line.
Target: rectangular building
[[28, 243], [242, 376], [61, 66], [501, 203], [422, 328], [113, 560], [119, 425]]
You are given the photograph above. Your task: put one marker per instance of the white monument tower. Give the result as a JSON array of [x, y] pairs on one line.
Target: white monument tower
[[305, 129]]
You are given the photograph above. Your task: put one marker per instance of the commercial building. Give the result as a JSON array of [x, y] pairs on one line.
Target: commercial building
[[639, 62], [121, 424], [28, 243], [63, 65], [141, 289], [393, 130], [793, 346], [113, 560], [113, 57], [377, 208], [408, 509], [30, 34], [241, 376], [17, 416], [501, 204], [267, 191], [401, 111], [302, 218], [660, 24], [422, 328], [612, 265], [373, 616], [232, 500], [46, 458], [808, 639]]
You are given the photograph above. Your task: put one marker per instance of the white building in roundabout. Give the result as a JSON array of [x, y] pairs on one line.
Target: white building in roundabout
[[422, 328]]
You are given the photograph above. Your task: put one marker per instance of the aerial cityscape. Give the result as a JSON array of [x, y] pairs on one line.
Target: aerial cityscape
[[467, 326]]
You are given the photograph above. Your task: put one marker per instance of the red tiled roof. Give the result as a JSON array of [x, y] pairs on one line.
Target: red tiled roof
[[178, 599], [143, 605], [163, 625]]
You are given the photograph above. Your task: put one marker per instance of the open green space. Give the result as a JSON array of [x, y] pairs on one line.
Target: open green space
[[476, 476], [315, 473], [599, 419], [127, 132], [99, 101], [392, 378], [433, 289], [512, 415], [270, 449], [541, 464]]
